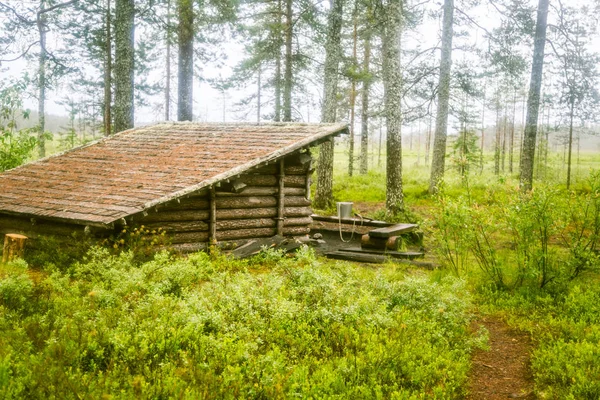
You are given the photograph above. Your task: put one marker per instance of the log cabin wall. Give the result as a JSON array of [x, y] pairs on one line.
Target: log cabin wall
[[245, 207], [36, 227]]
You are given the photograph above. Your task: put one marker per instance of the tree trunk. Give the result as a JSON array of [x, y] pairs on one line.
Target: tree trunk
[[441, 121], [287, 84], [571, 112], [185, 86], [497, 142], [108, 73], [392, 97], [364, 116], [353, 93], [168, 65], [14, 247], [428, 142], [124, 64], [533, 101], [258, 93], [41, 25], [482, 133], [277, 82], [333, 50], [511, 149]]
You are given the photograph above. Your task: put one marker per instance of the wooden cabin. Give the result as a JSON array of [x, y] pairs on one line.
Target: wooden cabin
[[201, 183]]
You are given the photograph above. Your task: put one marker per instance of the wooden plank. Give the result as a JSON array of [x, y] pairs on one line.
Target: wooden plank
[[281, 197], [357, 221], [408, 255], [393, 230], [357, 257]]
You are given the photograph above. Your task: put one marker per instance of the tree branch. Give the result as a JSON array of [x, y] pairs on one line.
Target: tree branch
[[54, 7], [23, 54]]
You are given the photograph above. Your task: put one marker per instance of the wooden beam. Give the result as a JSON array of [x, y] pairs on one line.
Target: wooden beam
[[350, 221], [281, 199], [213, 217]]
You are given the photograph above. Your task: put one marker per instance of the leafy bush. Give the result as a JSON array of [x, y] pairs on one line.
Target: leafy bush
[[542, 237], [206, 327]]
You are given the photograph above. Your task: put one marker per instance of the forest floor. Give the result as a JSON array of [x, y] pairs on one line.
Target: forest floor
[[503, 371]]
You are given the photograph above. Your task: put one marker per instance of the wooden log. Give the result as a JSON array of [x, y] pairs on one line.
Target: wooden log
[[281, 197], [38, 227], [301, 221], [352, 221], [212, 225], [232, 213], [232, 224], [392, 243], [14, 246], [173, 216], [297, 211], [357, 257], [407, 255], [223, 224], [271, 180], [393, 230], [264, 191], [179, 226], [272, 169], [192, 237]]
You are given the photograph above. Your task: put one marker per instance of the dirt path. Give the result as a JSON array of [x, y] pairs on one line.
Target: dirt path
[[502, 372]]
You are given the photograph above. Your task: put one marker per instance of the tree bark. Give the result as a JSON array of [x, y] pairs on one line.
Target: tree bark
[[364, 130], [353, 92], [533, 100], [441, 122], [124, 64], [392, 97], [108, 73], [571, 112], [277, 78], [288, 78], [324, 193], [185, 87], [41, 25], [168, 64]]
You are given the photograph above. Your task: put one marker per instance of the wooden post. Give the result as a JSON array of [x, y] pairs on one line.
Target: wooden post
[[212, 237], [308, 174], [14, 246], [281, 201]]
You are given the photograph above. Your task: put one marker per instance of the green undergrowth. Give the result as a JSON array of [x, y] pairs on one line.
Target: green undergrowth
[[565, 328], [212, 327]]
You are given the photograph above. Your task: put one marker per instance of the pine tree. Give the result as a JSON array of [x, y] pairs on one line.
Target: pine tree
[[333, 50], [124, 64]]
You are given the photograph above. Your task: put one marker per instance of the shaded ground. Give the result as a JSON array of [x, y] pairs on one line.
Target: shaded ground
[[503, 371]]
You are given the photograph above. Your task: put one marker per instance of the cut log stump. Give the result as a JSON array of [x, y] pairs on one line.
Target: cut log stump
[[14, 246]]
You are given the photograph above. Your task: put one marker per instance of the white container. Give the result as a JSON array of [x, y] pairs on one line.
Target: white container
[[344, 209]]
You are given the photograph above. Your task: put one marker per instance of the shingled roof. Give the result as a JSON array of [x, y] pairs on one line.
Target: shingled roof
[[127, 173]]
